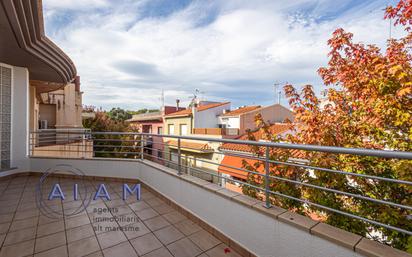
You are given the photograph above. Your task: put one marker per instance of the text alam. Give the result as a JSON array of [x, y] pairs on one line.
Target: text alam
[[101, 192]]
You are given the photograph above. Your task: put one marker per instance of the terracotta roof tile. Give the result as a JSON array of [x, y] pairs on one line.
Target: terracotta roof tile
[[188, 111], [209, 106], [275, 129], [190, 145], [237, 162], [242, 110]]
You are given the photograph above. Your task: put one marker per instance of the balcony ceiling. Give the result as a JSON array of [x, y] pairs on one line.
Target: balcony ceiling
[[23, 43]]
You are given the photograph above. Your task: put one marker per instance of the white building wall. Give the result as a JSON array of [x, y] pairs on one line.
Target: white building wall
[[20, 119], [209, 118], [230, 122]]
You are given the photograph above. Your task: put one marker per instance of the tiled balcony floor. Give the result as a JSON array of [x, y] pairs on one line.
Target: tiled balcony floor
[[159, 230]]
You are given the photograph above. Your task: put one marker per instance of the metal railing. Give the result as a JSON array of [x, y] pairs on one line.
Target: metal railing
[[185, 159]]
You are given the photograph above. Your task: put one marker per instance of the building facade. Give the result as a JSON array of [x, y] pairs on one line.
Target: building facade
[[243, 119], [32, 67], [195, 154], [152, 123]]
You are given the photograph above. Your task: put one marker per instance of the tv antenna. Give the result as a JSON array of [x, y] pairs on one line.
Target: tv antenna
[[278, 92]]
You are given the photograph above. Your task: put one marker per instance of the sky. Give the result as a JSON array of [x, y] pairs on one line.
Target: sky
[[127, 51]]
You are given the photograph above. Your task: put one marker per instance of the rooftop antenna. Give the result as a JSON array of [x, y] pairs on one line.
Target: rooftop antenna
[[278, 92], [162, 99]]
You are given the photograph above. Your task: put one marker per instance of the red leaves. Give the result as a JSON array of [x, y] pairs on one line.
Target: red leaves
[[402, 13], [227, 250]]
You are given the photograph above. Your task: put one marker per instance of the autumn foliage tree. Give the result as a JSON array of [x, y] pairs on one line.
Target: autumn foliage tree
[[107, 145], [368, 104]]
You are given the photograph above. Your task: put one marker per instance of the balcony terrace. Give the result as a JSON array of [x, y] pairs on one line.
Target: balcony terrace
[[179, 213]]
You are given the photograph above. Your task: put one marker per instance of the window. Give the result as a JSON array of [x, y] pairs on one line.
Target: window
[[171, 129], [160, 130], [183, 129], [5, 116]]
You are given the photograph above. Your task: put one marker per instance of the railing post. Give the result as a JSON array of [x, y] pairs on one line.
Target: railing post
[[179, 158], [267, 189], [141, 148]]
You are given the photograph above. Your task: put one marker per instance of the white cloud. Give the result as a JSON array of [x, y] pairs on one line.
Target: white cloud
[[75, 4], [125, 57]]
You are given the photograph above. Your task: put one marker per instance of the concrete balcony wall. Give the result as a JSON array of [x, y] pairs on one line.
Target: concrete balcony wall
[[259, 233], [81, 149]]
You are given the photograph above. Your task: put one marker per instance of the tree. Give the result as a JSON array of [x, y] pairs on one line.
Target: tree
[[118, 114], [368, 105], [113, 146]]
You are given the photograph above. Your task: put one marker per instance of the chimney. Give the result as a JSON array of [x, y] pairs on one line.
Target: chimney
[[177, 104], [77, 83]]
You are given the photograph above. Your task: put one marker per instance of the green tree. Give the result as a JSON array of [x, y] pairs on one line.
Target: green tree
[[119, 114], [368, 105]]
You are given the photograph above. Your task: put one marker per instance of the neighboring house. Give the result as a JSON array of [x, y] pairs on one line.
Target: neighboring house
[[230, 161], [37, 80], [237, 122], [196, 154], [56, 109], [202, 116], [152, 123]]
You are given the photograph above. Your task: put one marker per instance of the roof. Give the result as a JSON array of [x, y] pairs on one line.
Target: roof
[[275, 129], [24, 43], [146, 117], [241, 110], [233, 161], [188, 112], [190, 146]]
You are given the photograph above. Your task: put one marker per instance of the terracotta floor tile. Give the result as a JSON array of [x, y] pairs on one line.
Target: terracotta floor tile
[[104, 226], [145, 244], [187, 227], [22, 224], [2, 237], [111, 238], [45, 219], [121, 250], [222, 250], [95, 254], [135, 230], [79, 233], [184, 248], [4, 218], [161, 252], [21, 215], [20, 236], [147, 214], [168, 234], [174, 217], [156, 223], [138, 206], [83, 247], [50, 228], [55, 252], [17, 250], [155, 201], [77, 221], [127, 219], [50, 241], [115, 202], [204, 240], [163, 209], [4, 227], [121, 210]]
